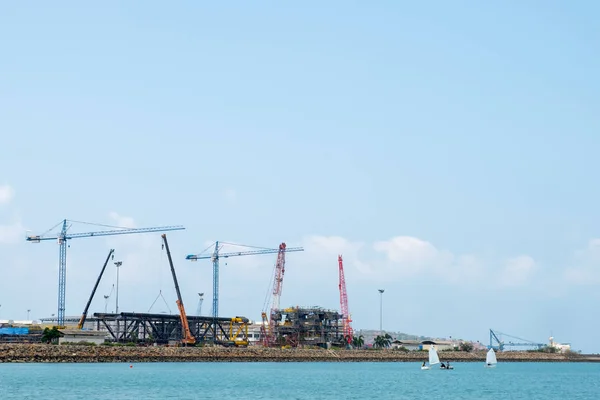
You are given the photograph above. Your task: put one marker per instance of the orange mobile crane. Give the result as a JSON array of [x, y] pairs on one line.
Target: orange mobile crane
[[188, 338]]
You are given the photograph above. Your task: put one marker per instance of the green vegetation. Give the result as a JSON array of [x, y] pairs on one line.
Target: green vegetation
[[50, 335], [545, 349], [466, 346], [382, 341], [358, 341]]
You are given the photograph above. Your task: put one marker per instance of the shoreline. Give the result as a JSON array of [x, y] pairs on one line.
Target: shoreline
[[42, 353]]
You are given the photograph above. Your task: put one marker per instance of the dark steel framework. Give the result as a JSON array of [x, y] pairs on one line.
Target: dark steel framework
[[162, 328]]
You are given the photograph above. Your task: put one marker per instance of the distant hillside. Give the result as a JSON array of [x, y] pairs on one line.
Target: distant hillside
[[370, 334]]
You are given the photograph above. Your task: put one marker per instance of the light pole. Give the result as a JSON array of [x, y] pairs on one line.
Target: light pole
[[200, 301], [381, 311], [28, 311], [117, 264]]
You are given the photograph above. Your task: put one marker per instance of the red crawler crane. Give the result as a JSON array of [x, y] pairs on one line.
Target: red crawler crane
[[269, 335], [348, 334]]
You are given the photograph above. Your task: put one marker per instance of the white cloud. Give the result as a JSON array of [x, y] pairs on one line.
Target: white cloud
[[325, 249], [585, 270], [410, 257], [124, 222], [518, 271], [6, 194]]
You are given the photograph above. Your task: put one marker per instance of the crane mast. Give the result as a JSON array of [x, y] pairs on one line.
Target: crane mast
[[216, 256], [347, 328], [187, 333], [278, 283], [269, 335], [64, 236]]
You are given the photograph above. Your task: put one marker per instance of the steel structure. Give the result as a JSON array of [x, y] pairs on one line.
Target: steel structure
[[315, 326], [498, 338], [346, 320], [165, 328], [215, 256], [64, 236]]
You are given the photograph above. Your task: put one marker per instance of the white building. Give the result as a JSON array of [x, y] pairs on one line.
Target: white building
[[77, 335], [411, 345], [562, 348], [440, 345]]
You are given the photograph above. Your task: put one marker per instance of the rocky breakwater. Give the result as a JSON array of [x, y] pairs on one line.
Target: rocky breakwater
[[79, 353]]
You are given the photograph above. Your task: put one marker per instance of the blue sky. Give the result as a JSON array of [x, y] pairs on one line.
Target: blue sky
[[446, 149]]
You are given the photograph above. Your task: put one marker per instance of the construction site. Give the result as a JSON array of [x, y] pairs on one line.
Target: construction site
[[293, 327], [278, 327]]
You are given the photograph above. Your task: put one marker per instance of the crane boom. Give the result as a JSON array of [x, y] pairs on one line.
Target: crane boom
[[344, 302], [188, 337], [279, 272], [240, 253], [87, 306], [64, 236], [215, 256], [269, 333]]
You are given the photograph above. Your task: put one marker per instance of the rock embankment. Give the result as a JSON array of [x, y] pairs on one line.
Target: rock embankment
[[79, 353]]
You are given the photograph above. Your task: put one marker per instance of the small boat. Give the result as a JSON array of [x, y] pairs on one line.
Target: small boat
[[490, 359], [433, 358], [446, 366]]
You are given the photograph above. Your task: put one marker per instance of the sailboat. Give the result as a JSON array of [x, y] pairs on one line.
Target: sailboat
[[433, 358], [490, 359]]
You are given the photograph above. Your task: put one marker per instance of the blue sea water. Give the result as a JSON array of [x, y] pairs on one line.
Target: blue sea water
[[291, 381]]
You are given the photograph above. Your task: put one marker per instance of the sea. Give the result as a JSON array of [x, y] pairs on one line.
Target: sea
[[299, 381]]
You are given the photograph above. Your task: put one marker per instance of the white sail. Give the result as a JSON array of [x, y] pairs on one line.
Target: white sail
[[490, 359], [433, 356]]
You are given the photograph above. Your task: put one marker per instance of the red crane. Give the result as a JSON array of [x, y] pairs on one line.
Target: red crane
[[346, 320], [269, 336]]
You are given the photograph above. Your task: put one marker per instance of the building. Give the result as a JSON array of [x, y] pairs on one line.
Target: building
[[77, 336], [560, 347], [412, 345], [254, 332], [440, 345]]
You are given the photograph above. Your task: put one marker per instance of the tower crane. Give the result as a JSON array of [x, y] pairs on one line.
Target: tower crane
[[346, 320], [215, 256], [64, 236]]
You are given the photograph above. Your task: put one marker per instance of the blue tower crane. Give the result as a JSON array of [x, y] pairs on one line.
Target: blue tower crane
[[64, 236], [215, 256]]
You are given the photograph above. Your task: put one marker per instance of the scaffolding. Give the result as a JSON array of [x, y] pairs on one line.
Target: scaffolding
[[305, 326]]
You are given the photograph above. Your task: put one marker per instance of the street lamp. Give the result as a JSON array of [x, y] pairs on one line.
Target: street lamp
[[381, 311], [106, 302], [117, 264], [28, 311]]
